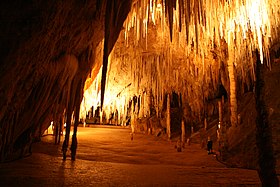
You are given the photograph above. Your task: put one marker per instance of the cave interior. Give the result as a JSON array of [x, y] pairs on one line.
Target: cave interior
[[178, 69]]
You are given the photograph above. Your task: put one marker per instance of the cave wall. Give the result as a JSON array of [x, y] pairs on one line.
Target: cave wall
[[272, 106], [47, 49]]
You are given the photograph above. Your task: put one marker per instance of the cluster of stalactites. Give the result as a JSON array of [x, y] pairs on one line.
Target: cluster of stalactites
[[149, 76], [199, 30], [202, 24]]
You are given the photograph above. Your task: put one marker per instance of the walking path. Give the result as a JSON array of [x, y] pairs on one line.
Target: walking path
[[108, 157]]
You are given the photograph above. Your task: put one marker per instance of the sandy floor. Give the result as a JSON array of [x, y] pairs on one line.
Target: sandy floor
[[107, 157]]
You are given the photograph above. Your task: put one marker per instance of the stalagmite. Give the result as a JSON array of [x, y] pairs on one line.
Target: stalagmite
[[183, 135], [168, 120], [205, 124]]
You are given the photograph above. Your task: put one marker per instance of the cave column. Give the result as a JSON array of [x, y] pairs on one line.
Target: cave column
[[77, 116], [232, 83], [168, 121]]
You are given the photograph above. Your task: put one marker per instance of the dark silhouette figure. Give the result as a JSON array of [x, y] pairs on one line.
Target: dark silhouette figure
[[209, 146]]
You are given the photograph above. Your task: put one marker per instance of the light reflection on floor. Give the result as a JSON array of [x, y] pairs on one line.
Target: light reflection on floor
[[107, 157]]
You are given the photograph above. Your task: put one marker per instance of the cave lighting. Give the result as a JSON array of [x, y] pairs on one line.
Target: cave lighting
[[49, 130], [112, 101], [198, 27], [91, 95]]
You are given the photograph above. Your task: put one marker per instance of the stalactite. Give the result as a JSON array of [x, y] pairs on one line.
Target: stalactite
[[77, 104], [74, 102], [183, 131], [113, 21]]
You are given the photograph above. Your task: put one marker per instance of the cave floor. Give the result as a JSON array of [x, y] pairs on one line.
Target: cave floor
[[108, 157]]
